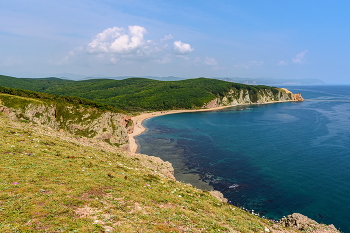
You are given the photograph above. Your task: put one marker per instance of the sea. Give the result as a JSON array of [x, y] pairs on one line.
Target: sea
[[273, 159]]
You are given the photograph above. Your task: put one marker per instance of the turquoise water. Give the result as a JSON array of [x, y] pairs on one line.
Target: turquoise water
[[276, 159]]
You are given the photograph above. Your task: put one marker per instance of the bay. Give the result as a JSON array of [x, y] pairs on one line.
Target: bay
[[276, 159]]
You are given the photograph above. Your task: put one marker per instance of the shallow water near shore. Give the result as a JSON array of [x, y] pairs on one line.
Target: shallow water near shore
[[275, 159]]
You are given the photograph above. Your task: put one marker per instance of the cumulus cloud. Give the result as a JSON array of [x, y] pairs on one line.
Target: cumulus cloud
[[210, 61], [182, 48], [299, 58], [118, 45], [118, 40]]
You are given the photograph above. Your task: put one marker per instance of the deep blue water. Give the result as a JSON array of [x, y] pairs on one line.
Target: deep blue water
[[277, 159]]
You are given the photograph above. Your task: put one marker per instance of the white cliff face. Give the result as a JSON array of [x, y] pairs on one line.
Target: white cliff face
[[77, 120], [240, 97]]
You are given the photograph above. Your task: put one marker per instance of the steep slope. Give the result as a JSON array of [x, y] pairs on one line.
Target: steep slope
[[77, 119], [54, 182], [261, 96]]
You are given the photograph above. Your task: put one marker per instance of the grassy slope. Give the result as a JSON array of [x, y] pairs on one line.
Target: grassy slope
[[55, 182], [136, 94], [51, 183]]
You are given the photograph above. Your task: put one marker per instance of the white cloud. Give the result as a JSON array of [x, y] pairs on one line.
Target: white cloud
[[182, 48], [210, 61], [117, 45], [117, 40], [299, 58], [166, 37], [282, 63]]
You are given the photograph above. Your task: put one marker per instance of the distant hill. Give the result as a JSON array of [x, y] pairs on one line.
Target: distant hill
[[249, 81], [271, 81]]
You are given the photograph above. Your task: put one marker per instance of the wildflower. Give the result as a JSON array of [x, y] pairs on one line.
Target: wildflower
[[147, 185], [16, 183]]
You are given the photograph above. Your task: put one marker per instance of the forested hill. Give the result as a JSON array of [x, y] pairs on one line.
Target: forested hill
[[58, 99], [139, 94]]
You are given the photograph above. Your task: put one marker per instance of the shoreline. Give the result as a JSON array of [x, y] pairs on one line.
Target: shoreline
[[139, 128], [138, 120]]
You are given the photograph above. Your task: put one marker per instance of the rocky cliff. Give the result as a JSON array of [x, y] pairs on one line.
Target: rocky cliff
[[245, 96], [78, 120]]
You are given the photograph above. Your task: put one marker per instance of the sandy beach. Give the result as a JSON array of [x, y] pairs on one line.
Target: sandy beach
[[138, 127]]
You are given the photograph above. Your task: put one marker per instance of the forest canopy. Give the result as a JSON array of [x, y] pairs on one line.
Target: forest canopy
[[135, 94]]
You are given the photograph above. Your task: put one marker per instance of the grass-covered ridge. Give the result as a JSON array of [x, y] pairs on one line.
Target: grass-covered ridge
[[138, 94], [52, 183]]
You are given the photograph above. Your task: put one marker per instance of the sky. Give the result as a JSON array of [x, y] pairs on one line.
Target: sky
[[291, 39]]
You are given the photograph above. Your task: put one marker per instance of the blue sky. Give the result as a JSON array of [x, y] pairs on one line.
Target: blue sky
[[227, 38]]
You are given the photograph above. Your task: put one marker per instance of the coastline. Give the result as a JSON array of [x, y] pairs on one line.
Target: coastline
[[139, 128], [138, 120]]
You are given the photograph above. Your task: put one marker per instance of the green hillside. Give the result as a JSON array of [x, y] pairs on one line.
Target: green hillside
[[137, 94], [57, 98], [52, 183], [55, 181]]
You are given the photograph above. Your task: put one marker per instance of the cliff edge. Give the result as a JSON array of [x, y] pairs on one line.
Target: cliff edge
[[77, 120], [261, 96]]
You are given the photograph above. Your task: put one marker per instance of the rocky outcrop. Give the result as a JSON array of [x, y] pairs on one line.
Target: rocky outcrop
[[127, 123], [78, 120], [245, 96], [218, 195], [303, 223], [297, 97], [4, 110]]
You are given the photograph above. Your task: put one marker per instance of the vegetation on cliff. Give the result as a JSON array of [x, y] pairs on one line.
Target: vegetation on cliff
[[56, 98], [139, 94], [77, 116]]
